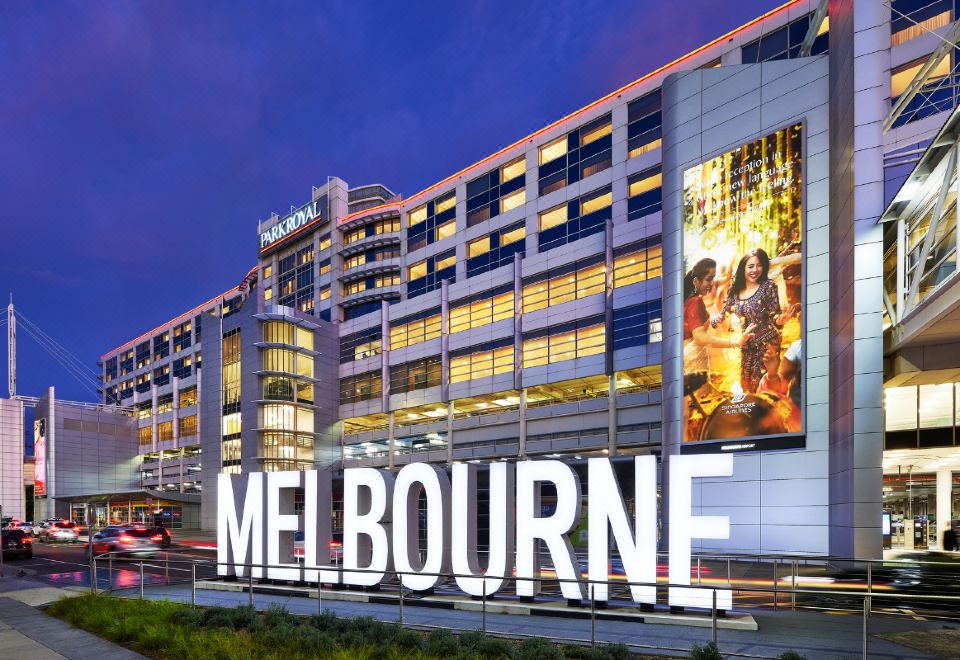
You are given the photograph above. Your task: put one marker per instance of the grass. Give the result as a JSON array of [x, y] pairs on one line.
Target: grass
[[172, 631]]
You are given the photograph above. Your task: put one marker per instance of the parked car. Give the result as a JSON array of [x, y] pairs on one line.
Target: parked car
[[26, 526], [39, 527], [16, 542], [124, 540], [61, 530]]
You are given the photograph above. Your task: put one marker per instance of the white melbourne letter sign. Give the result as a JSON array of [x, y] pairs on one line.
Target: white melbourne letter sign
[[367, 497], [239, 539], [684, 527]]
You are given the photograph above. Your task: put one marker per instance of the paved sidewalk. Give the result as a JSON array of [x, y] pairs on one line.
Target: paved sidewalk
[[813, 634], [27, 633]]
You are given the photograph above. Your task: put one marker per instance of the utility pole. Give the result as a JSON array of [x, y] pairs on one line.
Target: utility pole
[[11, 350]]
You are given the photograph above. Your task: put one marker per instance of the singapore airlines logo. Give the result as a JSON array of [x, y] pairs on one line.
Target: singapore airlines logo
[[738, 394]]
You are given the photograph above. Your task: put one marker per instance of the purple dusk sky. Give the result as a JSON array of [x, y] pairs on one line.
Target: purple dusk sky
[[142, 141]]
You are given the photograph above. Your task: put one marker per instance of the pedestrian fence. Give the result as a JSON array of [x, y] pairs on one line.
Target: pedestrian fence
[[792, 582]]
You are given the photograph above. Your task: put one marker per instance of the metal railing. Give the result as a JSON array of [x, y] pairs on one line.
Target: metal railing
[[393, 578]]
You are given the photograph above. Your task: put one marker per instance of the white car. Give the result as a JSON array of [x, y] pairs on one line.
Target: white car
[[61, 530]]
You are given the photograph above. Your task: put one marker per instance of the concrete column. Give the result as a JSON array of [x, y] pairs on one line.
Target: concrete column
[[944, 504], [153, 417], [523, 423], [275, 264], [445, 341], [391, 440], [316, 273], [176, 414], [384, 355], [517, 322], [612, 415], [450, 433]]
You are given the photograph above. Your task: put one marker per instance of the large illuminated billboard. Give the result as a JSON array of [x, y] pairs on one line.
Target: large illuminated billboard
[[742, 292], [40, 457]]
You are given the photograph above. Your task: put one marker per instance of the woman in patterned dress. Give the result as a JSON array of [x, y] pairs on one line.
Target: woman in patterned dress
[[755, 299]]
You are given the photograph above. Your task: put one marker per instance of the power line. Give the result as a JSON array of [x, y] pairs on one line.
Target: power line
[[77, 361]]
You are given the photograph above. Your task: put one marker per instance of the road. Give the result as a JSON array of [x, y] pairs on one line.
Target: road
[[63, 564]]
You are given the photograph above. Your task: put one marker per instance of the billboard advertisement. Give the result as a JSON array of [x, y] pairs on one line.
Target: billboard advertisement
[[742, 297], [40, 457]]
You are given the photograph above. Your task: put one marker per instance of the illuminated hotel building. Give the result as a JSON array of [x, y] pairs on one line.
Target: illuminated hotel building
[[530, 304]]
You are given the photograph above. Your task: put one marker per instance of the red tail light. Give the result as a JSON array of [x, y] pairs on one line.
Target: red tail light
[[335, 544], [27, 540], [126, 539], [158, 537]]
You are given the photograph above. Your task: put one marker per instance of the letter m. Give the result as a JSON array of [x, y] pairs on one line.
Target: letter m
[[240, 537]]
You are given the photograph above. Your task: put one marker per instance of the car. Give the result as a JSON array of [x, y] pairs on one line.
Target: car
[[16, 542], [160, 535], [19, 524], [39, 527], [61, 530], [124, 540]]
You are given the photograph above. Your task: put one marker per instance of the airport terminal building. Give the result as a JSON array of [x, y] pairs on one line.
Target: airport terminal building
[[696, 262]]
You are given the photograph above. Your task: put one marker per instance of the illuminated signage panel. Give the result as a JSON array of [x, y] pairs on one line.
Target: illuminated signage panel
[[289, 224], [40, 457], [743, 286]]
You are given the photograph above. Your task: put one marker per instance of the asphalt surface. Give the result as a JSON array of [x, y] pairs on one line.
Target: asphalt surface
[[67, 564]]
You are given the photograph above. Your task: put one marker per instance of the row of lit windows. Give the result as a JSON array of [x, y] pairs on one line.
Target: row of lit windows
[[415, 331], [188, 427], [373, 229], [364, 284], [282, 388], [371, 256], [415, 375], [284, 332], [482, 311], [564, 342], [231, 371], [286, 361], [481, 364], [564, 288], [496, 192], [287, 417], [360, 345]]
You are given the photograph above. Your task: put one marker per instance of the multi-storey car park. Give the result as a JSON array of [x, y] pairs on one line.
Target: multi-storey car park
[[530, 304]]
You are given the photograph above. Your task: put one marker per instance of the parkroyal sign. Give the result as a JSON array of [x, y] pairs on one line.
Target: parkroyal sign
[[289, 224], [256, 524]]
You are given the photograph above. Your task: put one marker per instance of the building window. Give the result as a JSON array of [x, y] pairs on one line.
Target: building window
[[161, 346], [637, 325], [432, 222], [143, 383], [416, 375], [427, 275], [144, 410], [232, 424], [496, 249], [784, 43], [164, 431], [361, 387], [567, 341], [921, 416], [644, 192], [324, 266], [143, 354], [324, 242], [577, 280], [231, 371], [367, 283], [481, 361], [482, 309], [415, 329], [268, 271], [912, 18], [183, 367], [161, 375], [126, 389], [279, 332], [182, 336], [577, 155], [935, 96], [278, 359], [164, 404], [360, 345], [644, 124], [497, 191], [146, 435], [110, 369], [324, 293], [126, 362], [356, 311], [576, 219], [374, 229], [188, 426], [188, 396], [637, 262]]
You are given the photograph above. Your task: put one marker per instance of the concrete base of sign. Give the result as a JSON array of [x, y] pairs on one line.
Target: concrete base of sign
[[636, 614]]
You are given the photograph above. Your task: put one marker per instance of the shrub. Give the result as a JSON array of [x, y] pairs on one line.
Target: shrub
[[191, 618], [276, 616], [708, 651], [537, 648], [244, 617], [441, 643], [469, 639], [791, 655], [493, 647]]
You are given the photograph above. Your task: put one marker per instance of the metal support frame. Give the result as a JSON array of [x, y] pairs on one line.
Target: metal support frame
[[918, 272], [815, 22], [923, 75]]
